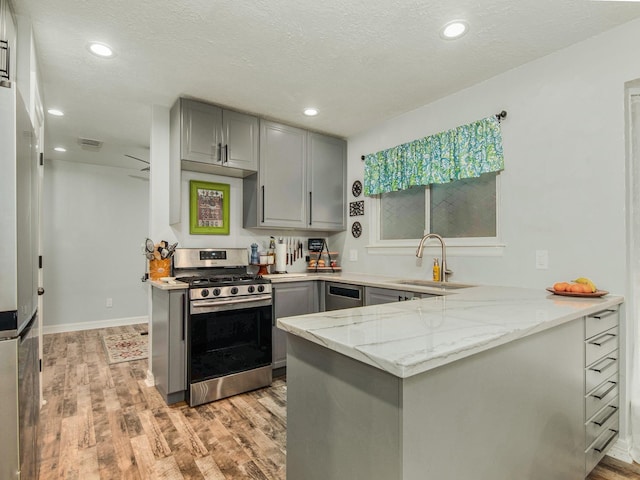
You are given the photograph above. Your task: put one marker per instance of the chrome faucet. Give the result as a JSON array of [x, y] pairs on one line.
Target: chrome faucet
[[443, 253]]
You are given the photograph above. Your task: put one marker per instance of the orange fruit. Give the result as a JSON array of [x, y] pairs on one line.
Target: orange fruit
[[576, 288], [560, 286]]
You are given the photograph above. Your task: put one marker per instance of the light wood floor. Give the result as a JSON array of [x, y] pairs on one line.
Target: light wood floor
[[102, 422]]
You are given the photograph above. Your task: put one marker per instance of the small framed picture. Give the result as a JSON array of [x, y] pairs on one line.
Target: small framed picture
[[208, 208]]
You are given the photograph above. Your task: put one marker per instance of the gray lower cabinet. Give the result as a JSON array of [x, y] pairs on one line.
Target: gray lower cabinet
[[300, 181], [296, 298], [511, 412], [168, 360], [601, 386], [377, 296]]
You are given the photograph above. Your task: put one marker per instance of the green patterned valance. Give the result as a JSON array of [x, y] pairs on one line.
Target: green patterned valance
[[463, 152]]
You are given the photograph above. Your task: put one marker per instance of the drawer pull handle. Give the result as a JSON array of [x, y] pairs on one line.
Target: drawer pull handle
[[604, 447], [600, 422], [601, 395], [599, 369], [601, 340], [604, 314]]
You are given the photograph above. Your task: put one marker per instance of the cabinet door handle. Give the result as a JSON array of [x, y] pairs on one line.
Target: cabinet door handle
[[219, 153], [604, 447], [601, 395], [601, 315], [262, 203], [602, 339], [399, 298], [604, 365], [184, 315], [226, 153], [310, 209], [602, 421]]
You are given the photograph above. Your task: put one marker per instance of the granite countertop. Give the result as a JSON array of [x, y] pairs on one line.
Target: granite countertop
[[408, 338]]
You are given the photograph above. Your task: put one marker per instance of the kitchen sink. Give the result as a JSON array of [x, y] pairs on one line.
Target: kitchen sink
[[432, 284]]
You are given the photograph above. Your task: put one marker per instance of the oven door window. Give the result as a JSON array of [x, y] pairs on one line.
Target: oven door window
[[227, 342]]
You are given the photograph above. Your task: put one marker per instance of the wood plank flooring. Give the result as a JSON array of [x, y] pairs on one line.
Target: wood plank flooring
[[102, 422]]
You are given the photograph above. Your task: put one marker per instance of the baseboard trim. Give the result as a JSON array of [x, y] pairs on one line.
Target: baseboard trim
[[74, 327], [620, 451], [150, 381]]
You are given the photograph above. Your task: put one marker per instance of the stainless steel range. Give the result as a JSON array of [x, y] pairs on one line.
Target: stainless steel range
[[229, 323]]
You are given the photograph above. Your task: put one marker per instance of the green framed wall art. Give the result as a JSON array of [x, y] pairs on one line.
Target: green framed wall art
[[208, 208]]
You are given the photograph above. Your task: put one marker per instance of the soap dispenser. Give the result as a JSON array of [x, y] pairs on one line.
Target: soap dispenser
[[436, 270]]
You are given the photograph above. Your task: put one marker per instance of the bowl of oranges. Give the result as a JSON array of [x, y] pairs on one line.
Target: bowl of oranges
[[580, 287]]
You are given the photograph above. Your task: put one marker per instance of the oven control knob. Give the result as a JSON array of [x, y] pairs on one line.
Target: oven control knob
[[204, 292], [261, 288], [216, 292], [234, 290], [251, 289]]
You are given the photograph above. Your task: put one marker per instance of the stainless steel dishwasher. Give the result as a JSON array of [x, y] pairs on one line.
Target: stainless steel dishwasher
[[338, 296]]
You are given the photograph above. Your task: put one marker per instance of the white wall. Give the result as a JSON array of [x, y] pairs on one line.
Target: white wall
[[563, 187], [94, 222], [563, 183]]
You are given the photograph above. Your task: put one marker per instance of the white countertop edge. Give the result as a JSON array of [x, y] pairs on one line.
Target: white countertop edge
[[168, 286], [315, 335]]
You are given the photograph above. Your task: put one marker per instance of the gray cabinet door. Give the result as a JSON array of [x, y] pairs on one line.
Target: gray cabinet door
[[282, 192], [377, 296], [326, 179], [168, 361], [291, 299], [240, 145], [201, 132]]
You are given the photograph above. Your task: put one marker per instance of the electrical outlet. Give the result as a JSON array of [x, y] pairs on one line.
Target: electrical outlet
[[109, 302], [353, 255], [542, 259]]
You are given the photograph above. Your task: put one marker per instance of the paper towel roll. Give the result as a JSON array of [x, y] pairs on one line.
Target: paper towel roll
[[281, 257]]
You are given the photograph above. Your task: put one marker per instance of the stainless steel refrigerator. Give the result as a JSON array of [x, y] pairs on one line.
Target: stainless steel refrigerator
[[19, 322]]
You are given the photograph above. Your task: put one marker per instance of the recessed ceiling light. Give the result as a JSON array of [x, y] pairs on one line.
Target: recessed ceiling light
[[60, 149], [310, 112], [454, 29], [101, 49], [55, 112]]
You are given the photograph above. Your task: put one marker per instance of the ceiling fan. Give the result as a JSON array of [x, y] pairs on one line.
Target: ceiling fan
[[145, 169]]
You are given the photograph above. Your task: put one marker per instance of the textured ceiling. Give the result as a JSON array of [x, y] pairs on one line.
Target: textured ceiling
[[359, 62]]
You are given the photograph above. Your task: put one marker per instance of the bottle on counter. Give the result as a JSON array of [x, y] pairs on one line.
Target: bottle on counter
[[254, 259], [436, 270]]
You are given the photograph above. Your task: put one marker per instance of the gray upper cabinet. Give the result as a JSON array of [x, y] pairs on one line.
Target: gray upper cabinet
[[209, 139], [282, 173], [300, 183], [326, 178], [215, 140]]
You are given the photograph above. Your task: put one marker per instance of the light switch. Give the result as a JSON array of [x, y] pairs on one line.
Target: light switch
[[353, 255], [542, 259]]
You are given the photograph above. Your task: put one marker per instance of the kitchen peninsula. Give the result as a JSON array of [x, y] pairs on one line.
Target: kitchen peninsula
[[484, 383]]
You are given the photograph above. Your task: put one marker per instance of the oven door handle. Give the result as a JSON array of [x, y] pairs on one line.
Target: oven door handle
[[260, 300]]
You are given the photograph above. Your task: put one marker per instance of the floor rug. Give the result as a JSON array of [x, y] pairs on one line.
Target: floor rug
[[125, 347]]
